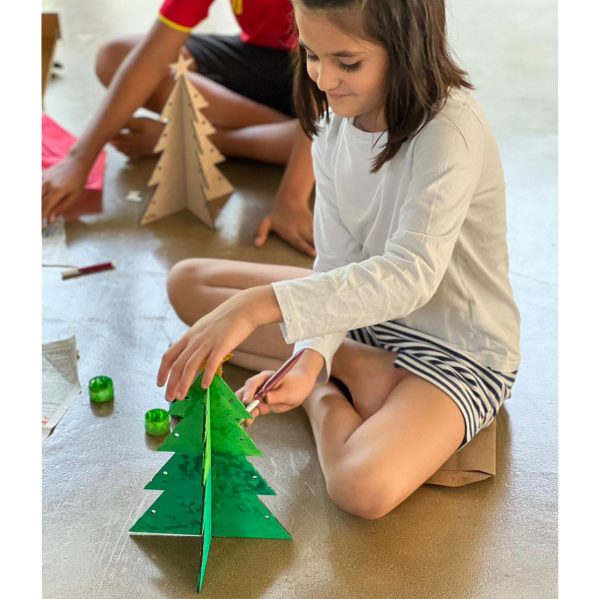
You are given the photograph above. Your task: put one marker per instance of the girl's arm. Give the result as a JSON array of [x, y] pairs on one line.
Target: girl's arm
[[214, 336], [291, 216], [335, 246], [446, 169], [135, 80], [218, 333]]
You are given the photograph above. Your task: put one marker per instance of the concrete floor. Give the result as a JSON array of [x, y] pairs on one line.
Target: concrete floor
[[495, 539]]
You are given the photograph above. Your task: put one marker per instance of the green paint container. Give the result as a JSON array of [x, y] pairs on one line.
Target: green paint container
[[101, 389], [156, 422]]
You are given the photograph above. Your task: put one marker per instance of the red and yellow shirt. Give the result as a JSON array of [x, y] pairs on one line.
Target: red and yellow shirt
[[268, 23]]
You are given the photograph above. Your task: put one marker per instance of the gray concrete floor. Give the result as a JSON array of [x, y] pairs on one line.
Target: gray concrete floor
[[495, 539]]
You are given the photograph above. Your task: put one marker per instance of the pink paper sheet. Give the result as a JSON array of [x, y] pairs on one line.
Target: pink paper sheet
[[56, 143]]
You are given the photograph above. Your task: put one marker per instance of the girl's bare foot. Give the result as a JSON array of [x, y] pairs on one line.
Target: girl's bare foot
[[139, 136], [368, 372]]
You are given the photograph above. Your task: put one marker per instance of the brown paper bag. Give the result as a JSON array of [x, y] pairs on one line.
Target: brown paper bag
[[475, 462]]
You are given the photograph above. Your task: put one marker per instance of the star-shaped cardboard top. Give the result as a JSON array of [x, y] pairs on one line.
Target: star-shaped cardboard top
[[182, 65]]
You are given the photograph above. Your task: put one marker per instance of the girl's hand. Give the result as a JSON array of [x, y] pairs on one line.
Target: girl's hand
[[214, 336], [293, 223], [291, 391], [61, 186]]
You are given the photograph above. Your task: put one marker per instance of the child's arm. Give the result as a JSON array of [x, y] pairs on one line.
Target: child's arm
[[135, 80], [214, 336], [446, 170], [291, 217]]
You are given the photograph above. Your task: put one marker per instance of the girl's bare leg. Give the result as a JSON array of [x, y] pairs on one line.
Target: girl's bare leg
[[271, 143], [198, 285], [230, 113], [374, 455], [368, 392], [371, 465], [399, 431]]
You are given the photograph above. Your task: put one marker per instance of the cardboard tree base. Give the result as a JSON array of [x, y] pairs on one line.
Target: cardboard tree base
[[185, 174], [209, 487]]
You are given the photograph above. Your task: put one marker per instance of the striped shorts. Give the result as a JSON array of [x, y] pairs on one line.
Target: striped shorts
[[477, 390]]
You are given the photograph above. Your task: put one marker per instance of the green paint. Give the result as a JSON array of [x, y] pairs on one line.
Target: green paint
[[171, 514], [229, 437], [235, 474], [101, 389], [178, 408], [156, 422], [181, 472], [227, 399], [245, 516], [209, 487], [206, 530], [207, 438], [186, 438]]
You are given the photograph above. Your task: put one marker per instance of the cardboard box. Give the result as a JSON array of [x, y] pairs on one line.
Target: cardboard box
[[50, 33]]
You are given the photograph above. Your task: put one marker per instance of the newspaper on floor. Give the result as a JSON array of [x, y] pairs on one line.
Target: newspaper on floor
[[60, 381]]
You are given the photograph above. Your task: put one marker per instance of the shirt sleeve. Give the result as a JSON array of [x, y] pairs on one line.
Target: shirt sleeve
[[183, 15], [334, 244], [446, 168]]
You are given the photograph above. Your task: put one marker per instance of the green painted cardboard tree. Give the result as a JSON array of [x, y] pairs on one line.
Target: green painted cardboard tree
[[209, 487]]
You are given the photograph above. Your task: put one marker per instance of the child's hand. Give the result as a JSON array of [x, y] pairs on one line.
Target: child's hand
[[292, 390], [293, 223], [215, 335], [206, 343], [61, 186], [138, 137]]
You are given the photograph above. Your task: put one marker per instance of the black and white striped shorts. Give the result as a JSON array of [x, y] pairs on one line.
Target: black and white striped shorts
[[477, 390]]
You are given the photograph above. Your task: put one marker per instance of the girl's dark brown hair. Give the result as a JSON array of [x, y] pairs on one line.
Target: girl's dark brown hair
[[421, 68]]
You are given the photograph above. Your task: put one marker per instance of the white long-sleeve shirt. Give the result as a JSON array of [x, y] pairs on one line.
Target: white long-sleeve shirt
[[422, 241]]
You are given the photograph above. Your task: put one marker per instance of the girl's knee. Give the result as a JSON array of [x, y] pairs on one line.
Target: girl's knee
[[181, 276], [188, 287], [357, 491], [109, 57]]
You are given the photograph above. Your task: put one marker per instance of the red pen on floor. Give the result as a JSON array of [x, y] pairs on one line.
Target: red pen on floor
[[273, 380], [87, 270]]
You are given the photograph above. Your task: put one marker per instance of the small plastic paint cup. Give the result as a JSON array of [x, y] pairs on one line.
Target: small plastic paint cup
[[156, 422], [101, 389]]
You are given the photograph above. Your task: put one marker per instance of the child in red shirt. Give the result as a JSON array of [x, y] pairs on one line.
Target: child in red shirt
[[247, 81]]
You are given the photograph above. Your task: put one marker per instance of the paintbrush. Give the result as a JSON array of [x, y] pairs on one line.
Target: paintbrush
[[264, 389], [87, 270]]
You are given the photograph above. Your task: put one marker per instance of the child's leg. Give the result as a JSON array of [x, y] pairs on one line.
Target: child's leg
[[370, 466], [198, 285], [368, 392], [270, 143], [226, 110]]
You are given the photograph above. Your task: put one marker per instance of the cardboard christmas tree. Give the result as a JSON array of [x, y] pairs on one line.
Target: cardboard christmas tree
[[185, 174], [209, 487]]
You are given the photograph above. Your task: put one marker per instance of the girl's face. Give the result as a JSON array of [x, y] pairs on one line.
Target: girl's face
[[352, 72]]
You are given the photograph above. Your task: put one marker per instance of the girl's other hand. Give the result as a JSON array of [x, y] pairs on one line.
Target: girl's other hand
[[291, 391], [61, 186], [293, 223]]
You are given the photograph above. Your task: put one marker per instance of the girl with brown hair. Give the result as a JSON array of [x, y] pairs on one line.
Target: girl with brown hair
[[411, 330]]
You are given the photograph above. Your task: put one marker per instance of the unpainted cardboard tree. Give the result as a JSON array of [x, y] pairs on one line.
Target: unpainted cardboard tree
[[185, 174]]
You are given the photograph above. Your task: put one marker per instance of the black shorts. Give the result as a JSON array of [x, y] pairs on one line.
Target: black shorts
[[264, 75]]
